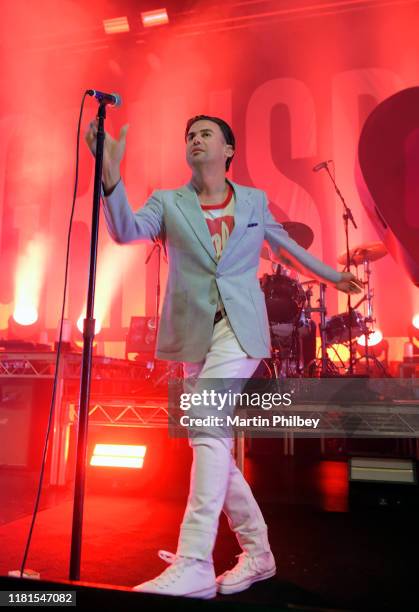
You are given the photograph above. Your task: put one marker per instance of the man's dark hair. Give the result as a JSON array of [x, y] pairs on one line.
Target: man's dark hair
[[225, 128]]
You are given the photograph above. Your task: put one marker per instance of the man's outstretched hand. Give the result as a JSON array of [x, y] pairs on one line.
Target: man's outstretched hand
[[349, 283]]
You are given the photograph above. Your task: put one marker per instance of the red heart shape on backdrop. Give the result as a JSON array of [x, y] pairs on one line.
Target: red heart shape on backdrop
[[387, 175]]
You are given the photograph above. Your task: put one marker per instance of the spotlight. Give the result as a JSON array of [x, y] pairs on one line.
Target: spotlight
[[377, 347], [413, 333], [29, 280], [338, 353], [29, 330], [374, 338], [25, 314], [116, 25], [154, 18], [118, 455]]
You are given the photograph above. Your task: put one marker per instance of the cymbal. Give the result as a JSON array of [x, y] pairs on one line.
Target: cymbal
[[300, 232], [370, 251]]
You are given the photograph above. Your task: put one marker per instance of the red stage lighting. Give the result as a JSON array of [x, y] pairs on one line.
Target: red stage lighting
[[25, 314], [413, 334], [116, 25], [29, 280], [154, 18], [28, 331], [118, 455], [377, 346], [338, 353], [374, 338]]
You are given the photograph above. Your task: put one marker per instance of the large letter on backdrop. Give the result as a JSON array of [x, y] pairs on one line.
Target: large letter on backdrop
[[264, 173]]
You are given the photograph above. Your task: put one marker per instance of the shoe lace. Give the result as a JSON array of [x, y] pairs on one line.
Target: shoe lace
[[245, 563], [167, 556], [171, 573]]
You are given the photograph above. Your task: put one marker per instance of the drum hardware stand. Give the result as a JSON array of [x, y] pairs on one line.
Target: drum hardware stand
[[287, 354], [285, 349], [369, 319], [368, 298], [347, 215], [278, 365], [327, 367], [281, 358]]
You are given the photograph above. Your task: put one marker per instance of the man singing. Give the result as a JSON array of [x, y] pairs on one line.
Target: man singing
[[213, 320]]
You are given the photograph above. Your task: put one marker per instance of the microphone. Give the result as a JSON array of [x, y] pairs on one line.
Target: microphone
[[113, 99], [322, 165]]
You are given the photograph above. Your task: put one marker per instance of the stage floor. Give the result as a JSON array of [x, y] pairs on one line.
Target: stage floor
[[327, 554]]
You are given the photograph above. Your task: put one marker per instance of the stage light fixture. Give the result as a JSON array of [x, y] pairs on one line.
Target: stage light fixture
[[19, 328], [116, 25], [118, 455], [141, 337], [154, 18], [377, 346], [29, 280], [415, 320], [374, 338], [413, 334], [113, 264], [25, 314], [338, 353]]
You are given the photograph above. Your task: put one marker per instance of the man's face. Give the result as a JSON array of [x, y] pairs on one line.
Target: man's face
[[205, 144]]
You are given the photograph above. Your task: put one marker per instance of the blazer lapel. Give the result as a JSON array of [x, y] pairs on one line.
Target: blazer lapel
[[243, 210], [188, 204]]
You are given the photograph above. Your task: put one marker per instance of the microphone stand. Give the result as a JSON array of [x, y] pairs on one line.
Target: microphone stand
[[86, 367], [347, 215]]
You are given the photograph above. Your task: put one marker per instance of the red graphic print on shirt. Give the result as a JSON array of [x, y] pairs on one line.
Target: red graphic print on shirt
[[220, 221]]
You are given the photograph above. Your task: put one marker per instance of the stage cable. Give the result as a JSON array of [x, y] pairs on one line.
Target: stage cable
[[58, 348]]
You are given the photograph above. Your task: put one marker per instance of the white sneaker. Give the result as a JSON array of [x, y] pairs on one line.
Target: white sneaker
[[185, 576], [247, 571]]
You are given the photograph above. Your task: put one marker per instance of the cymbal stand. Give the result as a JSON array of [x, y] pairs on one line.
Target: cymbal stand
[[368, 299], [369, 319], [327, 367]]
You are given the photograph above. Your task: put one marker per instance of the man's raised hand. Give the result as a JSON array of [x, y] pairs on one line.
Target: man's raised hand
[[113, 152]]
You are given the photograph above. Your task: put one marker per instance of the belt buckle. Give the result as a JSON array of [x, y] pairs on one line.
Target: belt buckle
[[218, 317]]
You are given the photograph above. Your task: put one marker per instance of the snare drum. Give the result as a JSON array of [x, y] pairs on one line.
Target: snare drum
[[337, 327]]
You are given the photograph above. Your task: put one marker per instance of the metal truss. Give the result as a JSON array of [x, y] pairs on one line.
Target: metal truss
[[42, 365], [124, 413], [30, 365]]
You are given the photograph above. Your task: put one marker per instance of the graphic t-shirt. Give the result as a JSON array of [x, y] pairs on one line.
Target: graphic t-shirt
[[220, 221]]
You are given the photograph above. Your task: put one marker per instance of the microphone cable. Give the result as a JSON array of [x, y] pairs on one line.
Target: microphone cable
[[58, 356]]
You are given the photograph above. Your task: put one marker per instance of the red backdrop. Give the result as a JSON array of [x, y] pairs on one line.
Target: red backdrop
[[296, 80]]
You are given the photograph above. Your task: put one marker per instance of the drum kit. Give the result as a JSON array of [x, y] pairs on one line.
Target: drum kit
[[289, 304]]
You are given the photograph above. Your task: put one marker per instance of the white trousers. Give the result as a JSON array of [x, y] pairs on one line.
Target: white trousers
[[216, 482]]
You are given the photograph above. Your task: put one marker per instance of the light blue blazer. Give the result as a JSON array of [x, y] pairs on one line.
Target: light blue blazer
[[196, 276]]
